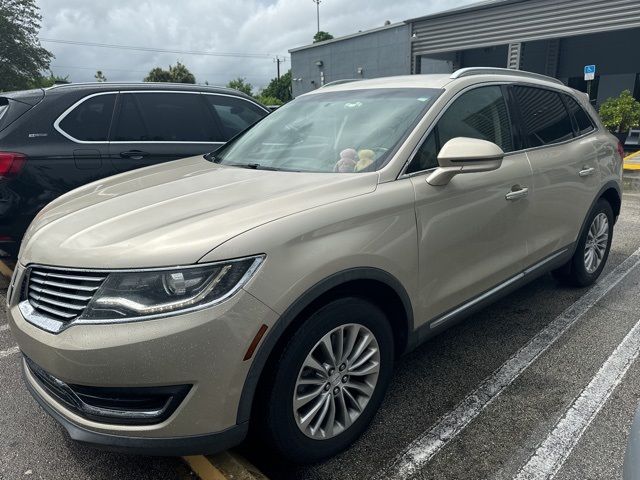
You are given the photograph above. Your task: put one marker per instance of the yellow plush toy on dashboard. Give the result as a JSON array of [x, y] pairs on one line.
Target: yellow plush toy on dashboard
[[365, 159]]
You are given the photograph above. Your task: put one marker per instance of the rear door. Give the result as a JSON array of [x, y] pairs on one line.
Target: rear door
[[159, 126], [563, 158]]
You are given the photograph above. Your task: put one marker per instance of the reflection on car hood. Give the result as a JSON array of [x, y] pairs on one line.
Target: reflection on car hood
[[174, 213]]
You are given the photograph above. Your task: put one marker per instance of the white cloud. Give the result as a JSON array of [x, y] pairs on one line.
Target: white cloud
[[248, 26]]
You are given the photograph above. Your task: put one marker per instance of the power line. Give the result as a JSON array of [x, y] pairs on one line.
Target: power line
[[109, 69], [158, 50]]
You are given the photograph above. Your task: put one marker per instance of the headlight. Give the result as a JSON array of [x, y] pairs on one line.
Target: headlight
[[151, 293]]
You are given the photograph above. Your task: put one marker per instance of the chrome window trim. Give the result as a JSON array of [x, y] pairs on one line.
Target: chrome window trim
[[403, 175], [56, 124], [55, 326]]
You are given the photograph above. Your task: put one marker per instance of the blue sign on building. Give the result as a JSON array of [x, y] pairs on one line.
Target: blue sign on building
[[589, 72]]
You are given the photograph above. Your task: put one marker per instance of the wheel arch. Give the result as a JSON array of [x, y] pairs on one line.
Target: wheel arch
[[376, 285], [611, 192]]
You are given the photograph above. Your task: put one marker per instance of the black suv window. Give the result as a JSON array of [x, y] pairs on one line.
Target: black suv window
[[582, 120], [480, 113], [90, 120], [235, 115], [545, 118], [164, 117]]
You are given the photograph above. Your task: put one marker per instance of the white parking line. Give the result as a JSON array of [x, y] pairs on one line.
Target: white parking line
[[556, 448], [8, 351], [4, 327], [449, 426]]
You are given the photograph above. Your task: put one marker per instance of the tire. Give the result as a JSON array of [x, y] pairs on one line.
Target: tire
[[579, 271], [280, 430]]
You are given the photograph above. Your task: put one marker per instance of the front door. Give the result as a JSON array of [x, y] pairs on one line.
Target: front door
[[472, 234]]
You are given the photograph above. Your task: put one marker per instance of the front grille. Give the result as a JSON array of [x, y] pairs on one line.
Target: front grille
[[61, 294]]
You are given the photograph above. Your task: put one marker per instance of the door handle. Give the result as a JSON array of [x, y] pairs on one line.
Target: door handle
[[134, 154], [517, 192], [586, 171]]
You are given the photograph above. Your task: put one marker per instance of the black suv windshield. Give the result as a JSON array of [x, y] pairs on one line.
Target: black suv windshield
[[349, 131]]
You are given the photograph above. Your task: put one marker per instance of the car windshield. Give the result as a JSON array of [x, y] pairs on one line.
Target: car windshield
[[349, 131]]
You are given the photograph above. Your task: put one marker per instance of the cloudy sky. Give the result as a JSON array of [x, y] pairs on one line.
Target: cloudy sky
[[264, 27]]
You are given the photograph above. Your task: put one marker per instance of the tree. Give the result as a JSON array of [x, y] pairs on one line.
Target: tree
[[22, 58], [241, 85], [99, 76], [176, 74], [46, 82], [279, 88], [322, 36], [621, 113], [268, 100]]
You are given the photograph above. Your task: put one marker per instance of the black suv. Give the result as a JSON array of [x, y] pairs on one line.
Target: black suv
[[56, 139]]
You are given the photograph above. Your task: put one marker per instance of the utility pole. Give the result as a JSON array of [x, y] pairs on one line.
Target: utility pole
[[278, 61], [317, 2]]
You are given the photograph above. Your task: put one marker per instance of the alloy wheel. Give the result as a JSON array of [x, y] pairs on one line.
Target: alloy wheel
[[336, 381], [596, 244]]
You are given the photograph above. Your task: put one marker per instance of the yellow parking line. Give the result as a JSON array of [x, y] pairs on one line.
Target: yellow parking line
[[632, 166], [5, 270], [224, 466], [204, 468]]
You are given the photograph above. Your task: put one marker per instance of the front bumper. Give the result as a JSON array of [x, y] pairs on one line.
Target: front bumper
[[159, 446], [202, 349]]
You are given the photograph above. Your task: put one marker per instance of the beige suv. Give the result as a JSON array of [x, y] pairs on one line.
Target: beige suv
[[274, 282]]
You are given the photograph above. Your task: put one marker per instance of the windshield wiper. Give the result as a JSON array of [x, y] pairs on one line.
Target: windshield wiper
[[255, 166]]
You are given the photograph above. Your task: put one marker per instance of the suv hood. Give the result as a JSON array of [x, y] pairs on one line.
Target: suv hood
[[174, 213]]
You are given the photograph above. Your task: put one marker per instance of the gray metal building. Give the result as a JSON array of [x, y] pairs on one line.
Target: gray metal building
[[554, 37], [380, 52]]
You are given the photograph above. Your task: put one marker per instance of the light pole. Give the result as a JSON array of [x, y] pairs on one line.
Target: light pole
[[317, 2]]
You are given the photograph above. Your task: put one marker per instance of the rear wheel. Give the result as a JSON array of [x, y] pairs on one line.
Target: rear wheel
[[592, 249], [330, 381]]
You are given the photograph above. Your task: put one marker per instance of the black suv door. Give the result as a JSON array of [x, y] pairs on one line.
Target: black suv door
[[158, 126]]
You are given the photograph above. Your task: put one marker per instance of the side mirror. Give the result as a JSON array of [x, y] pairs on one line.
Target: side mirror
[[465, 155]]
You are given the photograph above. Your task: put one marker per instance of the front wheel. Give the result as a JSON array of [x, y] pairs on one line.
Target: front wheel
[[330, 380], [592, 249]]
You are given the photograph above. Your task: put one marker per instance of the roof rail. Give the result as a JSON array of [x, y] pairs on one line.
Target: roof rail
[[467, 72], [340, 82], [113, 84]]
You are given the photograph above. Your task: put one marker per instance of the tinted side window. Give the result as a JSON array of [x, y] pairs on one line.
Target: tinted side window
[[90, 120], [165, 117], [582, 120], [129, 125], [545, 118], [426, 156], [235, 115], [480, 113]]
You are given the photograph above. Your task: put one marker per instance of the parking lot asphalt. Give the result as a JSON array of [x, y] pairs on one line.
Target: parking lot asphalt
[[546, 369]]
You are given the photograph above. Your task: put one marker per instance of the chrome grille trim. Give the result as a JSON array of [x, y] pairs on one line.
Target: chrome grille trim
[[68, 286], [70, 296], [61, 295]]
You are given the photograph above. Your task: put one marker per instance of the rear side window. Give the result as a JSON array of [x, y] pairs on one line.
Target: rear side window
[[582, 120], [90, 120], [545, 118], [235, 115], [164, 117]]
